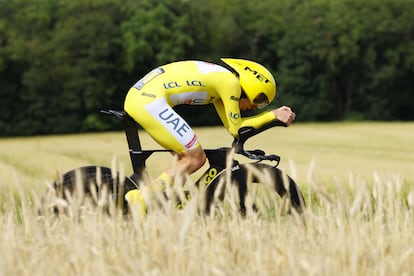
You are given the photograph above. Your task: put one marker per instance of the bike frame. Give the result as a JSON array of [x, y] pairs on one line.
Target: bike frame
[[209, 181]]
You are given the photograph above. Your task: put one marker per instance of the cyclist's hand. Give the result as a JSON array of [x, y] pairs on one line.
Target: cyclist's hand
[[284, 114]]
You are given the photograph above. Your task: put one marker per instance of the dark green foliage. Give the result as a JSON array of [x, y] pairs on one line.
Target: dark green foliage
[[62, 61]]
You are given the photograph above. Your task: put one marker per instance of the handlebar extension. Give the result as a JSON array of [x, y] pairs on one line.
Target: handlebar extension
[[247, 132]]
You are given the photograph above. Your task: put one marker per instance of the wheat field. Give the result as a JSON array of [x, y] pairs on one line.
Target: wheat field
[[357, 178]]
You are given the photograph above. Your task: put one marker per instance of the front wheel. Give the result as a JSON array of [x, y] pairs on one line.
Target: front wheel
[[246, 174]]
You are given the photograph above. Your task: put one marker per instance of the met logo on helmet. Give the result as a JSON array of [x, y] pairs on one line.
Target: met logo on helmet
[[259, 76]]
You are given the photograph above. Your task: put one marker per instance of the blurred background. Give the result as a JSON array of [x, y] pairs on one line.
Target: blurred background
[[61, 61]]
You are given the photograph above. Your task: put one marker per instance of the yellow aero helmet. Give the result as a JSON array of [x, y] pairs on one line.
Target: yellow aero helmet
[[256, 81]]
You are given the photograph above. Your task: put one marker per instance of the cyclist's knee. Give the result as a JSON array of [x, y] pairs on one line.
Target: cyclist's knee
[[196, 158], [200, 159]]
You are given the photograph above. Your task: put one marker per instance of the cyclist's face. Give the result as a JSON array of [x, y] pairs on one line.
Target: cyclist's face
[[244, 104]]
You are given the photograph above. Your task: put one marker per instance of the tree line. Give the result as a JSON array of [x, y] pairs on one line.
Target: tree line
[[61, 61]]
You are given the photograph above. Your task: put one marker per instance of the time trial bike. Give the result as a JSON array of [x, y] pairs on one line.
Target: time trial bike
[[90, 179]]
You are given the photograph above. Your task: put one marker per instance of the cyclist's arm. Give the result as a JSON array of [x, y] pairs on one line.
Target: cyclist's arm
[[258, 120], [229, 115], [218, 105], [227, 105]]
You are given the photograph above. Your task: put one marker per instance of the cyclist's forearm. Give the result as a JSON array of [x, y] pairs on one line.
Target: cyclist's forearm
[[258, 120]]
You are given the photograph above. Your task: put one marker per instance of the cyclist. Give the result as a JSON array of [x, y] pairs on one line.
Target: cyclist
[[245, 85]]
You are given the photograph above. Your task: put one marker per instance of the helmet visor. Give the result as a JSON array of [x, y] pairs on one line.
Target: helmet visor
[[261, 101]]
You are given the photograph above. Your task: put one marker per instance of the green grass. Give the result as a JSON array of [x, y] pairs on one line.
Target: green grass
[[358, 179]]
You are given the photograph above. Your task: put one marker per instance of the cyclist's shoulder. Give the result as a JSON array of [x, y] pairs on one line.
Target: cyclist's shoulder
[[195, 66], [210, 75]]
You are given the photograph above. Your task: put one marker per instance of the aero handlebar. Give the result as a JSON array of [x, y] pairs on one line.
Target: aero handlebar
[[247, 132]]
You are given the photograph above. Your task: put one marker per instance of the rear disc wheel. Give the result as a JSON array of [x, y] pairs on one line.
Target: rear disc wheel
[[93, 182]]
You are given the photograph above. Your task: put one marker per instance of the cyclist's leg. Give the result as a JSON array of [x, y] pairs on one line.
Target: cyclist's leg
[[168, 129], [189, 161]]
